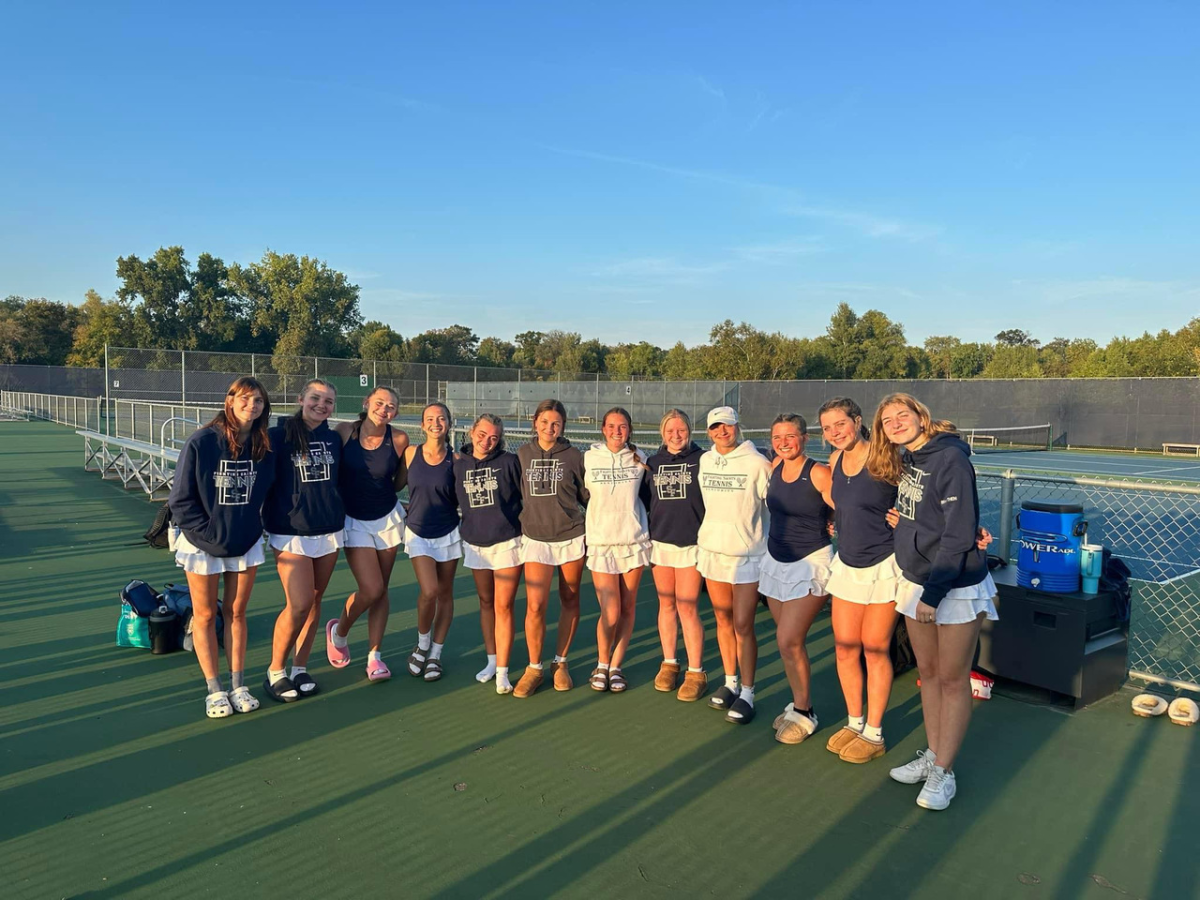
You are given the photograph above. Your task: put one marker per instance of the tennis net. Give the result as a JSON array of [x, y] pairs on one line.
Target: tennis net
[[1009, 439]]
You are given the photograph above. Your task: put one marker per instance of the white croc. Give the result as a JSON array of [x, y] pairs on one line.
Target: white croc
[[1149, 705], [1183, 711], [242, 700], [216, 705]]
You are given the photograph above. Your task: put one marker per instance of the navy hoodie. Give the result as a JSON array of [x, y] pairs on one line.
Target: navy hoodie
[[676, 506], [304, 500], [217, 500], [939, 517], [489, 496]]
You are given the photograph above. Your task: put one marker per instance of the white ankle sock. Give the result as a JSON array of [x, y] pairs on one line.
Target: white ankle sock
[[375, 656], [856, 722], [559, 659], [338, 641], [435, 651], [486, 674], [296, 670], [503, 685], [731, 683], [690, 669], [871, 733], [602, 666], [423, 640], [672, 661], [276, 676], [536, 665], [747, 693]]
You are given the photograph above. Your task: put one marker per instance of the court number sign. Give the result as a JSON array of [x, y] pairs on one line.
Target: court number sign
[[362, 380]]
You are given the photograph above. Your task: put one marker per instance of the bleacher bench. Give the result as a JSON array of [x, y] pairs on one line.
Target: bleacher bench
[[148, 465], [1177, 449]]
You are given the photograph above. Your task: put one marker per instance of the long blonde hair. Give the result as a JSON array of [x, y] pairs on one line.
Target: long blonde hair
[[667, 417], [883, 458]]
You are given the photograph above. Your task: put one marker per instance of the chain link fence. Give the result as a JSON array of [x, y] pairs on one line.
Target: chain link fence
[[1154, 528]]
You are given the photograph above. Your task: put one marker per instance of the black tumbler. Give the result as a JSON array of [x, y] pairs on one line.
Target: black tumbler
[[164, 630]]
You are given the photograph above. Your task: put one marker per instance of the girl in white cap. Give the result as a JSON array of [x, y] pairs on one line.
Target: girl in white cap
[[732, 541]]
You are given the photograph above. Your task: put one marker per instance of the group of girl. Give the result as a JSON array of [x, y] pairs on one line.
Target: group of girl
[[901, 498]]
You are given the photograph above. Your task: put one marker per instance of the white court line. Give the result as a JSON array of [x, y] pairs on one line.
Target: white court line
[[1190, 468]]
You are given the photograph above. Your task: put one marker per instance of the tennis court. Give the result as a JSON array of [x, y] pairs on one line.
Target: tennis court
[[114, 784]]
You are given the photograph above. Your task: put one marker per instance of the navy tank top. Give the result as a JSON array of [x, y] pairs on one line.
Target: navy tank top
[[864, 537], [366, 478], [432, 499], [799, 516]]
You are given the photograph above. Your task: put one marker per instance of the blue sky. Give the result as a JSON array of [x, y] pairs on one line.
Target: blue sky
[[630, 171]]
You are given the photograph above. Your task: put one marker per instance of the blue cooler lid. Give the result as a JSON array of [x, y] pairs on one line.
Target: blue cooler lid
[[1061, 508]]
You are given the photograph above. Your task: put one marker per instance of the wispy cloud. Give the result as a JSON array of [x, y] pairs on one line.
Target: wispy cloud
[[660, 271], [786, 200], [869, 224], [1107, 288], [782, 251], [714, 92]]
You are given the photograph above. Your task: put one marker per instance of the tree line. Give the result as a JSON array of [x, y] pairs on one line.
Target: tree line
[[288, 305]]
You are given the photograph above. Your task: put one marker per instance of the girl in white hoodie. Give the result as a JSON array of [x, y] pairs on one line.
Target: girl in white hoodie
[[732, 541], [618, 541]]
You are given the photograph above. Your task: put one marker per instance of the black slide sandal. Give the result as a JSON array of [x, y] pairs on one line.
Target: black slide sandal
[[280, 689]]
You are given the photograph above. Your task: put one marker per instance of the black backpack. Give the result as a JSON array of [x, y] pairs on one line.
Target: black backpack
[[157, 535], [1115, 578]]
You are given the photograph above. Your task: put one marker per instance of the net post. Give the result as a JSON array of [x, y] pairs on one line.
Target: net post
[[1007, 485]]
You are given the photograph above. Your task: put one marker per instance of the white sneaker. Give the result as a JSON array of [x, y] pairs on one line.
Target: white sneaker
[[939, 789], [916, 771]]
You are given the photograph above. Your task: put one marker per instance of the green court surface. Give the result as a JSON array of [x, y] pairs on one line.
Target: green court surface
[[112, 782]]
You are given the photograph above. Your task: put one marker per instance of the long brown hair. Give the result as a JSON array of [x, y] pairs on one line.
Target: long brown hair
[[225, 423], [883, 458], [551, 405], [850, 408], [362, 415], [294, 430]]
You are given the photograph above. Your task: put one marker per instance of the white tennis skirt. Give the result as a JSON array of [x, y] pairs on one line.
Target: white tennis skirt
[[728, 569], [871, 584], [555, 553], [672, 556], [382, 534], [314, 546], [192, 559], [442, 549], [617, 559], [505, 555], [791, 581], [958, 607]]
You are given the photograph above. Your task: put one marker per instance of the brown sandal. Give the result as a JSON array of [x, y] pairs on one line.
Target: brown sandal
[[416, 661], [616, 681], [433, 670], [599, 679]]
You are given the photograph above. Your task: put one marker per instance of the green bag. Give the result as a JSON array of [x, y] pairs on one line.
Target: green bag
[[132, 630]]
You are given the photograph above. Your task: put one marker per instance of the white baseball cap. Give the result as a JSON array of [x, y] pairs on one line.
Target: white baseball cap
[[722, 415]]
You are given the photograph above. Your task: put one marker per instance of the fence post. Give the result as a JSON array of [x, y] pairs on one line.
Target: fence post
[[1007, 483], [374, 374], [107, 382], [474, 391], [520, 409], [183, 375], [426, 384], [316, 367], [597, 416]]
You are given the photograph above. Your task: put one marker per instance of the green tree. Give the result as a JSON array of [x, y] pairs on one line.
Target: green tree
[[452, 346], [969, 360], [155, 289], [940, 350], [528, 344], [36, 331], [374, 340], [495, 352], [103, 322], [302, 305], [626, 360], [1014, 361], [1015, 337], [845, 352]]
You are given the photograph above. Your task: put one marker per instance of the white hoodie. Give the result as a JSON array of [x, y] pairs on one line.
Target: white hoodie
[[734, 487], [616, 516]]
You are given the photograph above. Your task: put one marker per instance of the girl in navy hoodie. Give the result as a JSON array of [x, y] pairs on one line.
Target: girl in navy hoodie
[[372, 455], [945, 590], [487, 480], [431, 538], [306, 522], [676, 511], [221, 480]]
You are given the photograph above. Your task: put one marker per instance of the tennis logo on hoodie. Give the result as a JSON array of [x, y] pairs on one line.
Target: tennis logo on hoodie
[[671, 482], [616, 475], [710, 481], [234, 481], [317, 465], [544, 476], [481, 486], [910, 492]]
